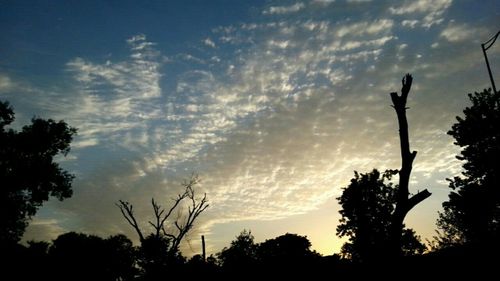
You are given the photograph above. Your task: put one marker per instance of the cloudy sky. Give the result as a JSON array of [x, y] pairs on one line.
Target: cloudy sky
[[273, 103]]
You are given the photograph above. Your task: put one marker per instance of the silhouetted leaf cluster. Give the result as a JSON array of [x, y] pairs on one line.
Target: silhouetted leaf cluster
[[472, 213], [28, 173], [73, 256], [367, 207], [287, 253]]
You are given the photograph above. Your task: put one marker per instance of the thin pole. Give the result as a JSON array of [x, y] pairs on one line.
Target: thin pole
[[203, 246], [485, 46], [489, 69]]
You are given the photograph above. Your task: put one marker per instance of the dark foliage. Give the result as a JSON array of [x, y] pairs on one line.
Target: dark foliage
[[472, 213], [156, 258], [197, 268], [241, 254], [288, 255], [283, 256], [28, 173], [88, 257], [367, 207]]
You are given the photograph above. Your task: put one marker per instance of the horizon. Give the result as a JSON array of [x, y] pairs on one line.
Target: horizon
[[273, 104]]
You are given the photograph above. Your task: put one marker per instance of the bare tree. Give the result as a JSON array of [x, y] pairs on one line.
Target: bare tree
[[404, 202], [178, 228]]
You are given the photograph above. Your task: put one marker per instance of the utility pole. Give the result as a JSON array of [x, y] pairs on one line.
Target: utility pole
[[203, 247], [485, 46]]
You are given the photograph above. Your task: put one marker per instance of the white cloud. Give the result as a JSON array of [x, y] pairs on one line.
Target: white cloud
[[432, 10], [409, 23], [323, 2], [115, 97], [420, 6], [458, 33], [365, 27], [43, 230], [279, 10], [6, 83], [86, 142], [241, 124], [209, 42]]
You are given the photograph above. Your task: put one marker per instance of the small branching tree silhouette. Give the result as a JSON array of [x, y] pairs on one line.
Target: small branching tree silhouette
[[161, 247]]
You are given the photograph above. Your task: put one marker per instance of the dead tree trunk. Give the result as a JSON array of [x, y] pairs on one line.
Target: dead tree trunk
[[404, 203]]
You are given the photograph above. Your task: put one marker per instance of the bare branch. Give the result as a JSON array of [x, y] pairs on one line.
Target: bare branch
[[127, 211], [196, 207], [417, 198], [177, 201], [158, 212], [406, 81]]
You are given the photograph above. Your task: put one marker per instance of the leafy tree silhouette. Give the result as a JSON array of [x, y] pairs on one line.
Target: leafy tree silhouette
[[241, 254], [199, 268], [367, 208], [471, 216], [281, 257], [286, 250], [156, 258], [30, 262], [87, 257], [28, 173], [121, 258]]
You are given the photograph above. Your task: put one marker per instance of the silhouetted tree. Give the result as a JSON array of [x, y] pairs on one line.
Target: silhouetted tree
[[288, 249], [367, 207], [472, 213], [242, 253], [201, 268], [282, 257], [121, 258], [28, 173], [156, 257], [78, 256], [28, 262], [404, 202], [161, 247]]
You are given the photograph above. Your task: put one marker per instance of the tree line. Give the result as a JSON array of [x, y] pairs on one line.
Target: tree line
[[373, 209]]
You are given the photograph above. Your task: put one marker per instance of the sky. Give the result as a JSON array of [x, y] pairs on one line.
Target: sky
[[274, 104]]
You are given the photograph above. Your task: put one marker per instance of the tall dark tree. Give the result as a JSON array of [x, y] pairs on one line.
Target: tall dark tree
[[472, 213], [367, 207], [28, 173], [404, 202]]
